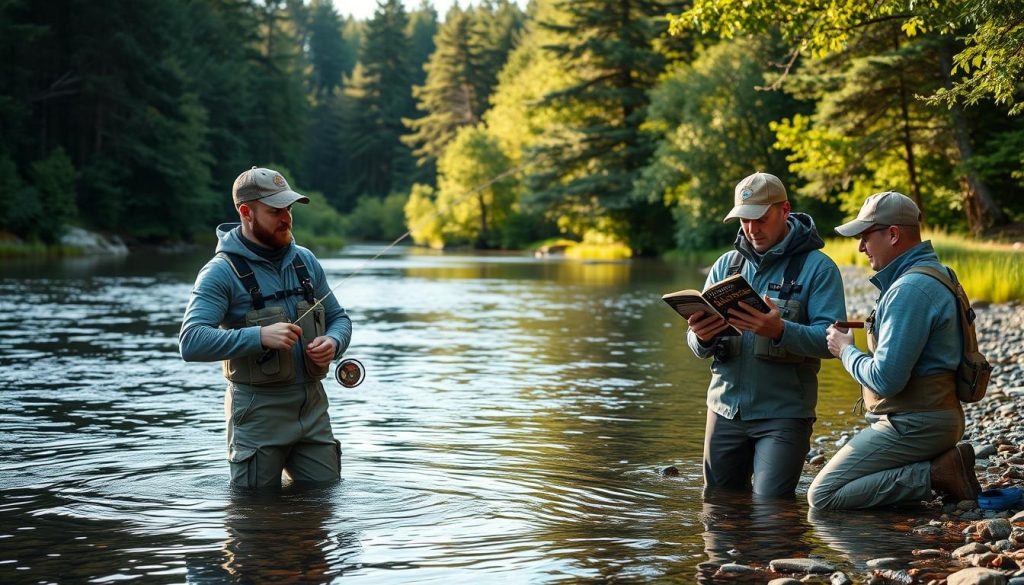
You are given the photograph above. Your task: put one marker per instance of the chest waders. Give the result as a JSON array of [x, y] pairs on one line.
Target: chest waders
[[789, 310], [279, 367]]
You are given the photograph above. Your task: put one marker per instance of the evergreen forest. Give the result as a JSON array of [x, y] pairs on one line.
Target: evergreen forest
[[498, 125]]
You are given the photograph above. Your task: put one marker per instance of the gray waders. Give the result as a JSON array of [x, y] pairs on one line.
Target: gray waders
[[275, 424]]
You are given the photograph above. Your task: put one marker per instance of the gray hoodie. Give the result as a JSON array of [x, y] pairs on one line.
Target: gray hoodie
[[219, 299], [754, 388]]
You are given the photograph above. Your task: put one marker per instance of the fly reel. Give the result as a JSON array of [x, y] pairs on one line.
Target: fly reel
[[349, 373]]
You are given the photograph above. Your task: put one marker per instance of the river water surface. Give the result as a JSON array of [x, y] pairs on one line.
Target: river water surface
[[512, 426]]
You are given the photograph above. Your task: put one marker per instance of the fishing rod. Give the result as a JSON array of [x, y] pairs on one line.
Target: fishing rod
[[350, 372]]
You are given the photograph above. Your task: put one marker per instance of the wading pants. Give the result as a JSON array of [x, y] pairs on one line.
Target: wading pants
[[280, 428], [887, 463], [765, 455]]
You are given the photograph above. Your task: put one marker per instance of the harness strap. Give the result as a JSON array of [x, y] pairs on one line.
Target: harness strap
[[735, 264], [245, 273], [304, 280], [964, 310], [789, 286], [793, 268]]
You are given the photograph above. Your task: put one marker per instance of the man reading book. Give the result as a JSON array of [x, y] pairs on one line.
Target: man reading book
[[910, 446], [764, 383]]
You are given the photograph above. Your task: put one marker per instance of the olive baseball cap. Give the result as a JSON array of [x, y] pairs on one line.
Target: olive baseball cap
[[266, 186], [755, 194], [888, 208]]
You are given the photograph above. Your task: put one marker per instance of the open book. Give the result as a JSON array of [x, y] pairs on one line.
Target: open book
[[718, 298]]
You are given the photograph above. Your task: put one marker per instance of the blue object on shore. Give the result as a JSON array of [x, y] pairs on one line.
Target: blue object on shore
[[999, 499]]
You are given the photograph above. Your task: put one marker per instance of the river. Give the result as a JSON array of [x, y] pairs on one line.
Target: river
[[514, 419]]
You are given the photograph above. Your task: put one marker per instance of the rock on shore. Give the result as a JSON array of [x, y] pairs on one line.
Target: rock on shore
[[93, 243]]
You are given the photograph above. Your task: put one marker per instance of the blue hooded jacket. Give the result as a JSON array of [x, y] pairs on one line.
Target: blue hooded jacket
[[219, 299], [917, 325], [754, 388]]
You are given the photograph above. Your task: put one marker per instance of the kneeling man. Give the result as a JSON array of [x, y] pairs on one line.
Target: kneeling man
[[909, 389]]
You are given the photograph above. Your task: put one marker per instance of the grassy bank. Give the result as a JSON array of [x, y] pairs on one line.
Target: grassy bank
[[38, 250], [989, 271]]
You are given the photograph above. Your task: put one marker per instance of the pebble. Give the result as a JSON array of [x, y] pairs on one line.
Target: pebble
[[735, 569], [800, 566], [885, 563]]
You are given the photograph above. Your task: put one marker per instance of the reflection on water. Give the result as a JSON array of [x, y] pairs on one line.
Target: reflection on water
[[512, 424], [751, 530]]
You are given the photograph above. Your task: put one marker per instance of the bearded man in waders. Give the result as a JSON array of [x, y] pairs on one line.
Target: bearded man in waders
[[243, 311]]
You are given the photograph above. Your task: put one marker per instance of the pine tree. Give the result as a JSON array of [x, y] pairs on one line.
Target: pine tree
[[472, 47], [326, 49], [379, 96], [586, 170], [421, 31]]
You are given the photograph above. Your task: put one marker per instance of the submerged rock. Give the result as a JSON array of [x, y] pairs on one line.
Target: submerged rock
[[800, 566]]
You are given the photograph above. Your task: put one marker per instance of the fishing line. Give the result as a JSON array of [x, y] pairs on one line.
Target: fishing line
[[350, 372]]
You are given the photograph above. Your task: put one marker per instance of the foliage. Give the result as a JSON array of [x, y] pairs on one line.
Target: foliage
[[420, 31], [597, 245], [53, 183], [39, 209], [327, 50], [714, 131], [377, 219], [992, 32], [317, 224], [868, 134], [422, 218], [927, 65], [379, 96], [461, 74], [473, 206], [584, 170]]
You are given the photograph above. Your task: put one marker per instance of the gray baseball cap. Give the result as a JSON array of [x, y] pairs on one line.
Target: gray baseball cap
[[755, 194], [266, 186], [888, 208]]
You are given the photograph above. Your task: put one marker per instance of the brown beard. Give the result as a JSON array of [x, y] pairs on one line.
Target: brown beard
[[273, 239]]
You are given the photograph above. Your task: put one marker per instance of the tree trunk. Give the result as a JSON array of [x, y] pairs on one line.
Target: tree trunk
[[982, 211], [482, 238], [908, 141]]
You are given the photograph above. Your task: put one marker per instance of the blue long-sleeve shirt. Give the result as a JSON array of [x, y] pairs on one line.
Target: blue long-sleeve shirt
[[916, 323], [219, 300]]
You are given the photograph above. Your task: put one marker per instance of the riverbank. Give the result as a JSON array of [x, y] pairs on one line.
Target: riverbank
[[75, 241], [994, 540]]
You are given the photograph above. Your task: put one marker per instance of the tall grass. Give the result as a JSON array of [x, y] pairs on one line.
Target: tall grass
[[989, 271]]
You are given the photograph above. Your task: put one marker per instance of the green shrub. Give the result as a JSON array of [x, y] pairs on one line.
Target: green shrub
[[377, 219]]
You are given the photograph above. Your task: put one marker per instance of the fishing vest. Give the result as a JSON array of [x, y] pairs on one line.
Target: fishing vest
[[275, 366], [789, 310], [923, 393]]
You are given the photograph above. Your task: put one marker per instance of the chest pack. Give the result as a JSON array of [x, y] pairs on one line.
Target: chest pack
[[789, 310], [278, 366], [974, 371]]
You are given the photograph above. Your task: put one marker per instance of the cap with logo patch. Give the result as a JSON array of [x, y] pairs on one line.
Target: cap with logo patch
[[888, 208], [755, 194], [266, 186]]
